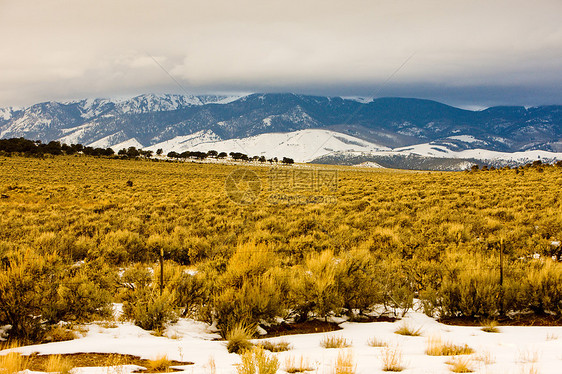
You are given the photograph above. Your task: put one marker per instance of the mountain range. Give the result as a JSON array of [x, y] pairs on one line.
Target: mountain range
[[307, 128]]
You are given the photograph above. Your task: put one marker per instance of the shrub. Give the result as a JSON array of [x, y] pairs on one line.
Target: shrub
[[142, 301], [249, 290], [472, 293], [81, 296], [192, 291], [22, 295], [211, 366], [529, 369], [541, 290], [59, 333], [121, 246], [257, 361], [470, 288], [356, 281], [38, 291], [256, 299], [152, 311], [239, 338], [334, 341], [314, 287], [397, 289]]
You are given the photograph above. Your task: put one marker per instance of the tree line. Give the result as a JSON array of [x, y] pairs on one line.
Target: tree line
[[236, 156], [37, 148]]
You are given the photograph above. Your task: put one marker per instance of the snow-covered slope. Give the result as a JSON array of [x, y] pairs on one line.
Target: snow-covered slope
[[110, 141], [440, 151], [127, 144], [6, 113], [316, 145], [370, 164], [302, 146], [76, 135], [185, 143]]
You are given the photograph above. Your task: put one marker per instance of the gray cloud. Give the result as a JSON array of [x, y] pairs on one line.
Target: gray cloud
[[465, 52]]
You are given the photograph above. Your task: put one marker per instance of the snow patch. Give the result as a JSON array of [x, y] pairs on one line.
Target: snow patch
[[189, 340], [465, 138], [359, 99], [370, 164], [76, 134]]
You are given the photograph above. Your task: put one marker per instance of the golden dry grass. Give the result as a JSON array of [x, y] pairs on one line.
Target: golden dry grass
[[334, 341], [238, 338], [529, 369], [391, 358], [407, 329], [13, 362], [413, 227], [486, 357], [435, 346], [345, 363], [297, 364], [211, 366], [376, 343], [460, 364], [159, 364], [528, 356], [257, 360], [490, 326], [59, 364]]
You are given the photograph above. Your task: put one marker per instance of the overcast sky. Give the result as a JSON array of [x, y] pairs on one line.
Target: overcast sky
[[469, 53]]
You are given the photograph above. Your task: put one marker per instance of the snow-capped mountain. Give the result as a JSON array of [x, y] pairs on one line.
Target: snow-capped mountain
[[302, 145], [184, 122]]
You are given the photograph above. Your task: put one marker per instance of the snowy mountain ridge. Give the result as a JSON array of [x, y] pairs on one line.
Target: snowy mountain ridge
[[365, 125], [315, 144]]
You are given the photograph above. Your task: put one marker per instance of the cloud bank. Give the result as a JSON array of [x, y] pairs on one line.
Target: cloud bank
[[460, 52]]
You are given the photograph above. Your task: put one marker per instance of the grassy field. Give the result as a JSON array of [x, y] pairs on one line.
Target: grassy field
[[303, 246]]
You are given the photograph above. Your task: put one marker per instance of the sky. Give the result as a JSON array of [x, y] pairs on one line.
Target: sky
[[468, 53]]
